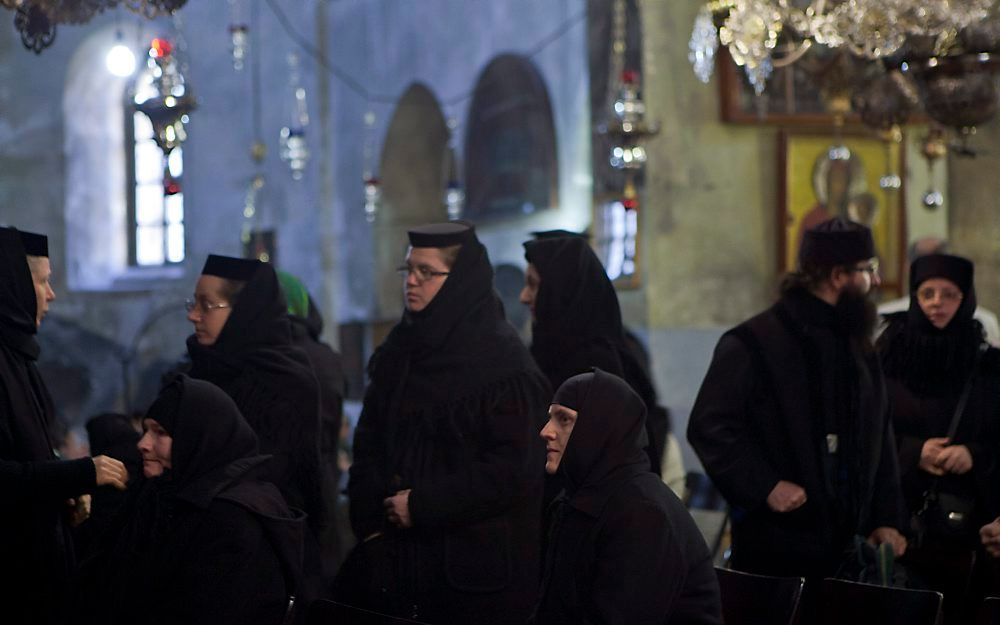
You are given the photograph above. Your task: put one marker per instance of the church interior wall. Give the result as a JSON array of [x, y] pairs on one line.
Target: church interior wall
[[708, 234]]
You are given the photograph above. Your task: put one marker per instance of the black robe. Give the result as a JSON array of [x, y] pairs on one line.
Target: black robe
[[273, 384], [622, 549], [35, 544], [208, 542], [578, 325], [453, 412], [329, 371], [778, 384]]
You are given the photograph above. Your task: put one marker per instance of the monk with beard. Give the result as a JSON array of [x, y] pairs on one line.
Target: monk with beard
[[791, 421]]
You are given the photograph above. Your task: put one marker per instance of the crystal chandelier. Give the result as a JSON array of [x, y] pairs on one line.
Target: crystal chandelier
[[872, 29], [895, 56], [36, 20]]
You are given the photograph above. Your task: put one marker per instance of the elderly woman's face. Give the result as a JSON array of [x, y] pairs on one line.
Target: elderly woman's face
[[939, 299], [156, 447]]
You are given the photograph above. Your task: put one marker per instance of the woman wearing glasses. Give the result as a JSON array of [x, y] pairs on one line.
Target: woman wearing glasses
[[943, 385], [445, 488], [242, 343]]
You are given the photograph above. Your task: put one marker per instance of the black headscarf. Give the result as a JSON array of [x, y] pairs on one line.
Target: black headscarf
[[459, 344], [608, 440], [924, 357], [256, 335], [578, 324], [575, 297], [209, 435], [18, 305]]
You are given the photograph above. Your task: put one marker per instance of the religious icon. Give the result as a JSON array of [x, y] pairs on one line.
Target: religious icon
[[825, 176]]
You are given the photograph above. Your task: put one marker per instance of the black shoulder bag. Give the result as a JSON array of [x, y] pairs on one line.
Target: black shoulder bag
[[947, 516]]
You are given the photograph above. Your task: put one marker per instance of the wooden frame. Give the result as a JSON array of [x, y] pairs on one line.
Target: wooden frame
[[806, 171], [792, 97]]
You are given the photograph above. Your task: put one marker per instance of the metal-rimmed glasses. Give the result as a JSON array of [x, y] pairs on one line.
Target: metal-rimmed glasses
[[202, 307], [422, 273]]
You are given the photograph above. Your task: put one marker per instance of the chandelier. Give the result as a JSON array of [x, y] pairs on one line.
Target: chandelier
[[36, 20], [902, 55]]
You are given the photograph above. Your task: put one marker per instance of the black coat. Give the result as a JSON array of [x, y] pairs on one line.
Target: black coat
[[34, 537], [926, 373], [622, 549], [777, 385], [453, 413], [329, 371], [209, 542]]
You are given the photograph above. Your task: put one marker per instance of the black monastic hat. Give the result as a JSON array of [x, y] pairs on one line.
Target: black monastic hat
[[835, 242], [444, 234], [558, 234], [955, 268], [230, 268], [34, 244]]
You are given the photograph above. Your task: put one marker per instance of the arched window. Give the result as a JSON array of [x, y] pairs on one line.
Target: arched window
[[113, 171], [156, 198], [511, 166]]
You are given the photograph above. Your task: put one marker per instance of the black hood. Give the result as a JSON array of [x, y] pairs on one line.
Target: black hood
[[929, 359], [18, 306], [458, 344], [608, 441], [209, 434], [575, 296]]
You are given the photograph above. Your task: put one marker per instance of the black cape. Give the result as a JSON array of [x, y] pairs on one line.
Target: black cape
[[273, 385], [778, 384], [209, 541], [578, 325], [622, 548], [34, 537], [452, 412]]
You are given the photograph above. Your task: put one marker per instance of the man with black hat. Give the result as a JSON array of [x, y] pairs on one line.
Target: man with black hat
[[445, 489], [791, 420], [38, 489]]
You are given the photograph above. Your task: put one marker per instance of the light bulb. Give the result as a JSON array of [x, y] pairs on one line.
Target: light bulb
[[120, 61]]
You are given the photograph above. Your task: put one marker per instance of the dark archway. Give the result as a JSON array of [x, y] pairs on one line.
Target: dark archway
[[412, 179], [511, 164]]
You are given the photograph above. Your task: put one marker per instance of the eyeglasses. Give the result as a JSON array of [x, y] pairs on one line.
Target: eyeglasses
[[928, 294], [870, 268], [422, 273], [203, 307]]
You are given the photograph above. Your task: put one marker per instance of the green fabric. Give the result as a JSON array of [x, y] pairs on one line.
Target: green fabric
[[295, 294]]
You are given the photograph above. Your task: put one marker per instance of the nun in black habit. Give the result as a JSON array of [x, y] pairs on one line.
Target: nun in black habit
[[35, 543], [930, 354], [622, 549], [445, 488], [243, 344], [577, 325], [203, 537]]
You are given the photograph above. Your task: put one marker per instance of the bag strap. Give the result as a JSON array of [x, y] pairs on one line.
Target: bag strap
[[964, 398]]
